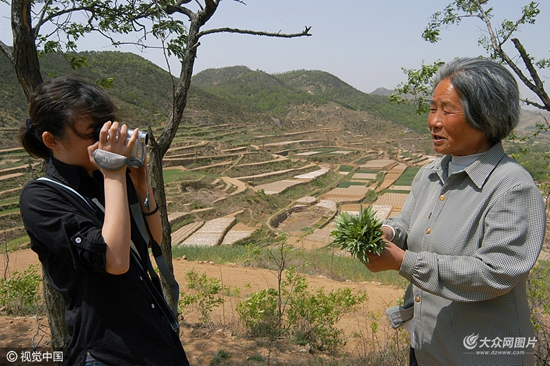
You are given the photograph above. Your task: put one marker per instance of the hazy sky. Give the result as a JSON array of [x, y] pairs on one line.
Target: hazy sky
[[363, 42]]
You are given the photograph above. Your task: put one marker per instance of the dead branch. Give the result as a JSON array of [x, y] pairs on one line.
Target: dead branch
[[305, 32]]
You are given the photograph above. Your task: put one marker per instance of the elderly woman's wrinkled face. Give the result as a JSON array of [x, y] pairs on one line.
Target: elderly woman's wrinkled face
[[451, 134]]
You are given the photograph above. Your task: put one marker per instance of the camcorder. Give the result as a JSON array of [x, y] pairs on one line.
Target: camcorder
[[138, 153]]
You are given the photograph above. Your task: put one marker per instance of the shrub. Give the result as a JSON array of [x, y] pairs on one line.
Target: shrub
[[206, 294], [19, 293], [258, 312], [311, 316], [305, 317]]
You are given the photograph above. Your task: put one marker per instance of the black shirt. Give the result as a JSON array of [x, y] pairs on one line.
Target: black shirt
[[113, 317]]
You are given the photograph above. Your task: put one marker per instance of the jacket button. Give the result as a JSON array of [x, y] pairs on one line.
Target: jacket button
[[442, 197], [417, 299], [428, 230], [78, 240]]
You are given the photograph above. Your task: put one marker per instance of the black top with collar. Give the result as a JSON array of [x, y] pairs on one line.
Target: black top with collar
[[113, 317]]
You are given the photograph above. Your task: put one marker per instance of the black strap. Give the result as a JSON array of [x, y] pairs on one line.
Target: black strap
[[156, 292], [157, 253]]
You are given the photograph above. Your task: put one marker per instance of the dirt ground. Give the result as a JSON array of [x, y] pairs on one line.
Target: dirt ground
[[202, 343]]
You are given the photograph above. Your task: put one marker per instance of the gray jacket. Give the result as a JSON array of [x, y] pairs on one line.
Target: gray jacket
[[471, 240]]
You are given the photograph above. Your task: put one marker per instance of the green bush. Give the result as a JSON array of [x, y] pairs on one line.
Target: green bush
[[312, 316], [19, 293], [258, 312], [220, 357], [206, 294], [294, 312]]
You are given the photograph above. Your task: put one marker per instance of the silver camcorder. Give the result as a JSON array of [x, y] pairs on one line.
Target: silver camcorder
[[139, 150]]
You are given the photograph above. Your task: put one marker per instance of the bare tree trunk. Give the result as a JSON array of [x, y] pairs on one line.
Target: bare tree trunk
[[55, 306], [160, 147], [25, 54]]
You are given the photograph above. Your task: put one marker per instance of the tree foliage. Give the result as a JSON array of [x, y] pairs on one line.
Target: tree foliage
[[495, 40]]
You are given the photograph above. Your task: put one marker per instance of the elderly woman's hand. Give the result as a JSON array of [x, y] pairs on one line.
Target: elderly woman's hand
[[390, 258]]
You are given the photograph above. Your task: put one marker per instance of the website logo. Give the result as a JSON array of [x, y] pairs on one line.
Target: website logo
[[477, 345], [470, 342]]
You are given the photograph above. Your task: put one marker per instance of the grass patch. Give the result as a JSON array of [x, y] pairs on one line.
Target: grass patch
[[321, 262], [218, 254], [365, 171], [171, 175], [10, 201], [17, 243], [325, 262], [345, 168], [407, 177]]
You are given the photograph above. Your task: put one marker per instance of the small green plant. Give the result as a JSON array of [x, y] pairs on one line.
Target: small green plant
[[256, 358], [359, 234], [306, 317], [312, 317], [219, 357], [206, 294], [258, 312], [19, 293]]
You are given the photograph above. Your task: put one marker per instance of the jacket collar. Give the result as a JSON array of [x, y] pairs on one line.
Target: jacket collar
[[74, 176], [478, 171]]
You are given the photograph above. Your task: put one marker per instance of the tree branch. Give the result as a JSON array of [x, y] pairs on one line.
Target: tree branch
[[171, 9], [305, 32], [534, 104], [6, 50], [538, 87], [485, 18]]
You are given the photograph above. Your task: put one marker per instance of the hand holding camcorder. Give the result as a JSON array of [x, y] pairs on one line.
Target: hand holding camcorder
[[112, 161]]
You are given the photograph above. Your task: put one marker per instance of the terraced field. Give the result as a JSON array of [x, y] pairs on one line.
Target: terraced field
[[224, 183]]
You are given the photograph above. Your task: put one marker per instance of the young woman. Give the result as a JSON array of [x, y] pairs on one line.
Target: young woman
[[91, 245]]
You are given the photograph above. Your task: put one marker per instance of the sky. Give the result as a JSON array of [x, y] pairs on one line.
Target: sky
[[365, 43]]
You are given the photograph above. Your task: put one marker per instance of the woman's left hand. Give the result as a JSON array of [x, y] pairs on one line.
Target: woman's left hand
[[140, 178], [390, 258]]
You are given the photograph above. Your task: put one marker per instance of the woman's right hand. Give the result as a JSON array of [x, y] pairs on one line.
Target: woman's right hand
[[390, 258], [112, 138]]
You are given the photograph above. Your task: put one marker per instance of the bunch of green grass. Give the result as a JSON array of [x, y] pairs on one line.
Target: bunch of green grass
[[359, 234]]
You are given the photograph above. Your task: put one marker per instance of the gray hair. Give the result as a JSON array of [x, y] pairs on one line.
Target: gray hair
[[489, 94]]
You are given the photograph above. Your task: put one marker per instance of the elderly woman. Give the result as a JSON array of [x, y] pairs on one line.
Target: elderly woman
[[471, 229]]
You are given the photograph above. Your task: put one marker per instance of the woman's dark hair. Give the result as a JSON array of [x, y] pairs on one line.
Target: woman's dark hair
[[59, 103], [488, 92]]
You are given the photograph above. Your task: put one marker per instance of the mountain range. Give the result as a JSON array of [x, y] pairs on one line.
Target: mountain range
[[237, 94], [143, 91]]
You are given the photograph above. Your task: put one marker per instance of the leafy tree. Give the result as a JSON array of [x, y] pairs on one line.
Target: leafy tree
[[57, 26], [494, 41]]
